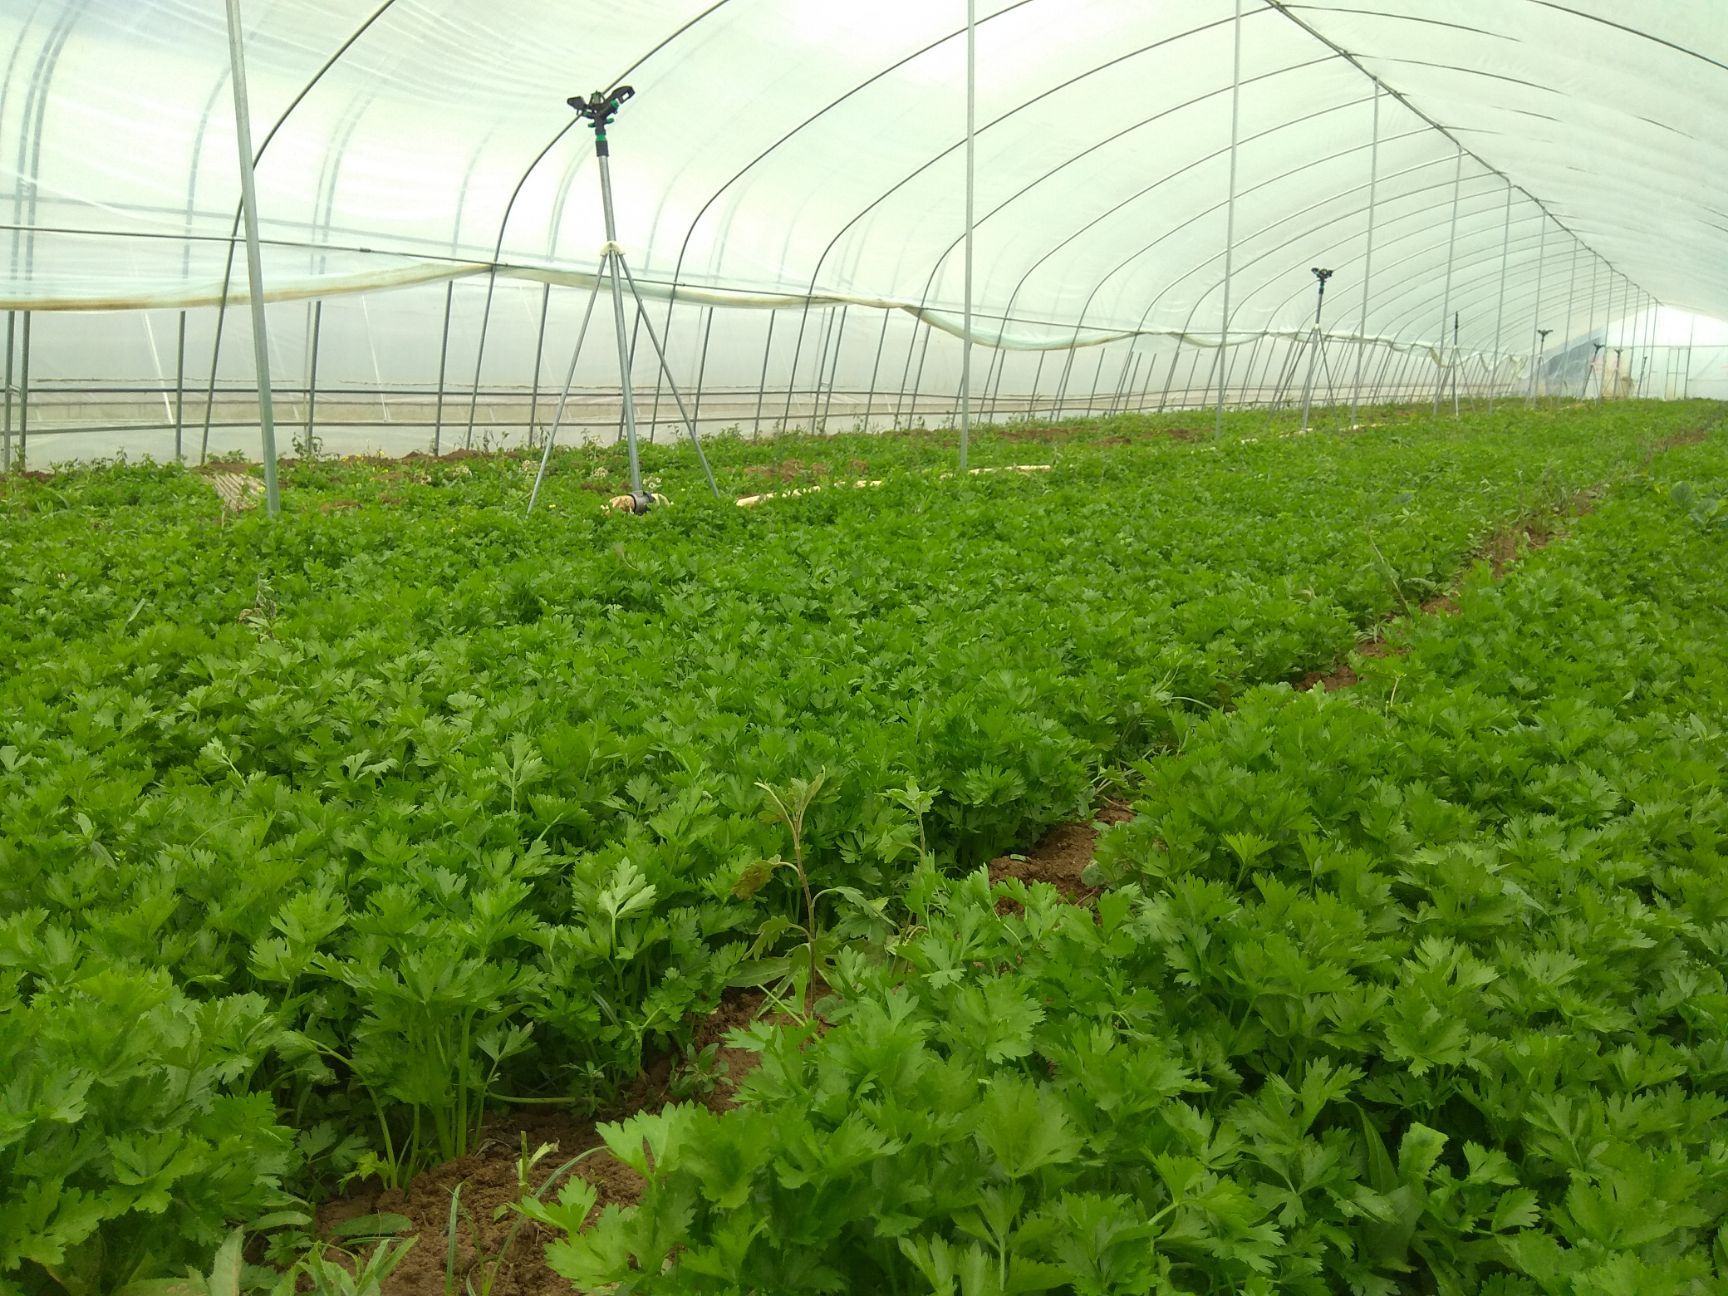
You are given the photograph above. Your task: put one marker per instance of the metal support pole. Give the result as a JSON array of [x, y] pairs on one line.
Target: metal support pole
[[1368, 259], [1571, 297], [1536, 363], [762, 386], [1230, 218], [626, 384], [1266, 381], [1247, 401], [1651, 338], [1314, 344], [666, 369], [539, 356], [702, 365], [1188, 383], [24, 392], [821, 370], [1446, 300], [6, 427], [1644, 323], [971, 172], [1596, 274], [906, 371], [834, 367], [1032, 395], [1541, 266], [1500, 309], [312, 380], [918, 379], [993, 378], [1097, 377], [564, 395], [1685, 378], [875, 369], [254, 261], [480, 357], [1381, 374], [1457, 363], [443, 362], [179, 392], [1122, 379]]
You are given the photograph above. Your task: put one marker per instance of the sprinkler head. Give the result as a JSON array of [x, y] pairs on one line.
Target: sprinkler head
[[602, 106]]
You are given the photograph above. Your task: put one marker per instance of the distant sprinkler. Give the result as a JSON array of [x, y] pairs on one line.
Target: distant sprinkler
[[1322, 276], [1585, 390], [1535, 361]]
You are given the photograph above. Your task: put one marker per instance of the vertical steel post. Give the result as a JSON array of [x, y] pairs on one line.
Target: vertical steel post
[[480, 356], [834, 368], [312, 379], [564, 394], [1500, 309], [1446, 300], [762, 386], [1457, 364], [918, 377], [971, 171], [1572, 294], [1381, 374], [1122, 379], [539, 356], [1314, 345], [1247, 401], [180, 392], [443, 364], [626, 382], [666, 370], [1651, 336], [1644, 339], [1368, 259], [1222, 366], [6, 427], [702, 367], [1595, 275], [254, 261], [1097, 377], [821, 369], [1536, 322], [24, 392], [1685, 377], [875, 369]]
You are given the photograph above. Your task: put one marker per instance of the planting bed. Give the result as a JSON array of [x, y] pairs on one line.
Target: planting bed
[[327, 840]]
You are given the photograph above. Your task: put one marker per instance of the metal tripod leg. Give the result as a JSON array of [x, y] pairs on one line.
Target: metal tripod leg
[[666, 369], [564, 396]]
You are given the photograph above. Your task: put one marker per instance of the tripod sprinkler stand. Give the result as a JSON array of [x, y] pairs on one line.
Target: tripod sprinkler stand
[[1536, 361], [1314, 344], [598, 110], [1585, 389], [1456, 358]]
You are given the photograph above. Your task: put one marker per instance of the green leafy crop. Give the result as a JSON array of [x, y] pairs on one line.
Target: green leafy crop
[[1415, 987], [322, 839]]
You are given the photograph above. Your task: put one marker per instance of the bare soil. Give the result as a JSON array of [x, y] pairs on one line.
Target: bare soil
[[489, 1182], [1502, 551], [1060, 857], [490, 1179]]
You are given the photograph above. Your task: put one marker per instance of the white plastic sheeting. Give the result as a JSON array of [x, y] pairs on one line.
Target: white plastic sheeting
[[1534, 164]]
